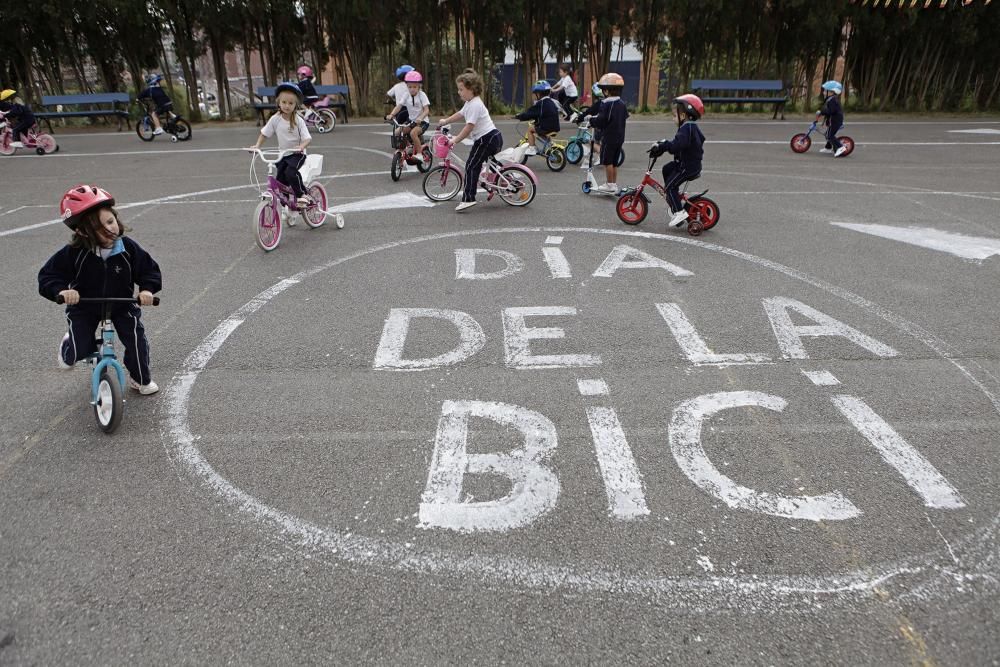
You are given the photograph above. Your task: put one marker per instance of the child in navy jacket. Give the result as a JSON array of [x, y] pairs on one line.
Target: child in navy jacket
[[610, 120], [100, 261], [834, 115], [161, 101], [21, 118], [545, 112], [686, 147]]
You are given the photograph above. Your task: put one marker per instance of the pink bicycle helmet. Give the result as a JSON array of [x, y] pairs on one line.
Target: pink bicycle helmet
[[305, 72], [81, 198], [413, 77]]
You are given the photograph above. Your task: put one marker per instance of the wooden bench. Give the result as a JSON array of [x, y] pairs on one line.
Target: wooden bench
[[738, 89], [92, 100], [266, 99]]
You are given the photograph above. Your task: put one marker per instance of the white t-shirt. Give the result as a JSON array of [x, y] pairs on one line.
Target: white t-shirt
[[399, 92], [475, 112], [287, 137], [414, 104], [568, 86]]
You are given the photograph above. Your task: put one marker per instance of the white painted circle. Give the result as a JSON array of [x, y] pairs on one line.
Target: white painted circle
[[747, 592]]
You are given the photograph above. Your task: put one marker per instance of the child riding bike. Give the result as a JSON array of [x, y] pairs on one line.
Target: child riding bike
[[100, 261], [565, 89], [545, 113], [161, 101], [686, 147], [834, 114], [418, 108], [309, 95], [292, 135], [20, 114]]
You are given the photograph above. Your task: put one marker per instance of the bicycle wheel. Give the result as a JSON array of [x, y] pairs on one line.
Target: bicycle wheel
[[515, 186], [632, 208], [704, 211], [267, 223], [800, 143], [620, 158], [428, 162], [48, 144], [847, 143], [326, 121], [144, 128], [315, 214], [442, 182], [556, 159], [182, 129], [574, 152], [397, 166], [109, 407]]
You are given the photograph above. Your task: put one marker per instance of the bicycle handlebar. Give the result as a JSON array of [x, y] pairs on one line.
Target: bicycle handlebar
[[280, 152], [110, 299]]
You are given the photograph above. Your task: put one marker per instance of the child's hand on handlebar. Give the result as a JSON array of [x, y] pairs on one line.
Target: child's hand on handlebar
[[145, 298], [70, 297]]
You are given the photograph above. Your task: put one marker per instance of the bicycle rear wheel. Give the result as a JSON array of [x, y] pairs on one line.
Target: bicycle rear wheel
[[46, 142], [109, 405], [704, 211], [442, 182], [267, 225], [183, 129], [848, 144], [314, 215], [556, 159], [326, 122], [515, 186]]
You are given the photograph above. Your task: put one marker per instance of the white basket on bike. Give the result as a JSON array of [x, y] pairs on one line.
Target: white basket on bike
[[441, 146], [311, 168]]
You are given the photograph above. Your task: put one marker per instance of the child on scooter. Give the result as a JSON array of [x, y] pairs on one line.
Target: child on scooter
[[686, 147], [610, 119], [100, 261], [479, 126], [293, 135], [20, 116], [834, 114], [545, 113], [597, 96], [161, 101], [418, 108]]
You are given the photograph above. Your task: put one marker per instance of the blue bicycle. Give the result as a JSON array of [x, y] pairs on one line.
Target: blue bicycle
[[107, 380]]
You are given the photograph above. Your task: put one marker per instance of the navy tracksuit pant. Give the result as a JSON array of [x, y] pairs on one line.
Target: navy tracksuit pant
[[128, 326]]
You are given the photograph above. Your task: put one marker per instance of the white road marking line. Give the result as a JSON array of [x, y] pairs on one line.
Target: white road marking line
[[395, 200], [822, 378], [967, 247], [978, 130], [592, 387]]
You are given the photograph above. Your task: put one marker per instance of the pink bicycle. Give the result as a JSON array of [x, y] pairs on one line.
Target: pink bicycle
[[278, 203], [319, 115], [515, 184], [41, 142]]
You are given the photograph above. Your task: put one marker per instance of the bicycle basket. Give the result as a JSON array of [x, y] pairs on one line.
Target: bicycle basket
[[441, 146]]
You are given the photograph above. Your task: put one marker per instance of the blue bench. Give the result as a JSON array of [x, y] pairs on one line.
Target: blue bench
[[94, 103], [266, 99], [737, 86]]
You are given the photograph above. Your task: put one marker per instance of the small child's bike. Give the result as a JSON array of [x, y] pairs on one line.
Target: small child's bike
[[107, 379], [403, 143], [178, 128], [319, 115], [278, 203], [801, 142], [514, 183], [553, 150], [633, 205], [41, 142]]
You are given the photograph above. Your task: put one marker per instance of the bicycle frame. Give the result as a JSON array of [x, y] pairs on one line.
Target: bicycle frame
[[276, 190], [491, 168], [649, 180], [105, 356]]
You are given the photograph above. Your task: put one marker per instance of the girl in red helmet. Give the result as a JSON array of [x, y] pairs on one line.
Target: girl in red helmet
[[100, 261], [686, 147], [417, 106], [309, 95]]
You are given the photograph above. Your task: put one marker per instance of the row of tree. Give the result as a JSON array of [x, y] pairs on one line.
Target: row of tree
[[894, 56]]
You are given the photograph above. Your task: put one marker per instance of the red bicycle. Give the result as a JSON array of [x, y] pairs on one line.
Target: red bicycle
[[633, 204], [403, 144]]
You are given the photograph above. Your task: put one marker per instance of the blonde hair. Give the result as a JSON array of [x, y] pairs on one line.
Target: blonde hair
[[277, 100], [471, 80]]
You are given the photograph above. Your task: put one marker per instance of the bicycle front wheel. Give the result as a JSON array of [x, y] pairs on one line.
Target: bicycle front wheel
[[314, 215], [574, 152], [109, 405], [443, 182], [267, 224], [397, 166], [144, 128], [183, 130], [515, 186]]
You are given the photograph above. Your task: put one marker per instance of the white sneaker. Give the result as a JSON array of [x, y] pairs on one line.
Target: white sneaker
[[678, 218], [59, 358], [464, 205], [16, 144], [531, 151], [419, 157], [158, 130], [607, 187], [840, 151], [144, 389], [826, 150]]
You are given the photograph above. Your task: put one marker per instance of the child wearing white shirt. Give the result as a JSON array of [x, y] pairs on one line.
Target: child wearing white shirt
[[565, 90], [293, 135], [418, 108], [479, 126]]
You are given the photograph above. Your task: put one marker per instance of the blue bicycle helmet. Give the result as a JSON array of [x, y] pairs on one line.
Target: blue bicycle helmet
[[541, 87], [153, 79], [402, 70], [289, 86], [834, 87]]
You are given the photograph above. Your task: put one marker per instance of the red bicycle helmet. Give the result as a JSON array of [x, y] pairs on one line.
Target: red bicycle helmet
[[305, 72], [81, 198], [413, 76], [691, 104]]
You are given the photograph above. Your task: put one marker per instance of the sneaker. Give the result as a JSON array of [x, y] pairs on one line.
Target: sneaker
[[419, 157], [678, 218], [531, 151], [607, 187], [158, 130], [59, 357], [826, 150], [464, 205], [144, 389], [840, 151], [16, 144]]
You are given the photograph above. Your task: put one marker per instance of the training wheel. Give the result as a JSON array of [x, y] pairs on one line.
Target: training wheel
[[695, 228], [174, 139]]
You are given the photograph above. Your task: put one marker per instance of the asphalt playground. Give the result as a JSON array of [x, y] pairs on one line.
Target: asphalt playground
[[520, 435]]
